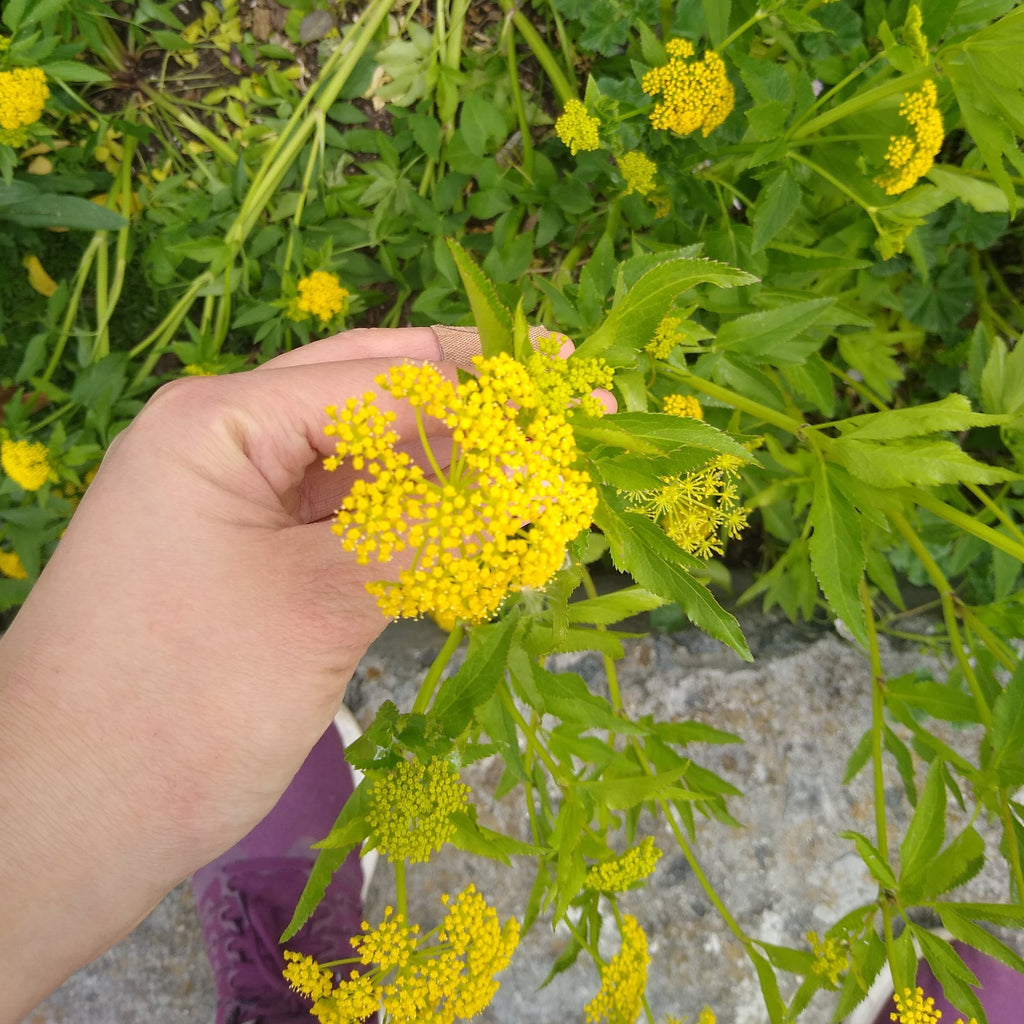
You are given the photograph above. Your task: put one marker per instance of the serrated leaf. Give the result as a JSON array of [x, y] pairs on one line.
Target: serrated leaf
[[1008, 724], [958, 863], [926, 831], [756, 335], [493, 320], [607, 609], [837, 549], [914, 463], [776, 204], [472, 837], [951, 414], [875, 863], [769, 987], [955, 977], [670, 433], [940, 700], [623, 793], [977, 937]]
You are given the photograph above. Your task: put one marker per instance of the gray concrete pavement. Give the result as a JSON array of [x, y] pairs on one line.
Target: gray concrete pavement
[[801, 707]]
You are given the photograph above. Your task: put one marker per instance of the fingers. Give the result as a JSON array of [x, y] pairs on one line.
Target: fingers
[[392, 343]]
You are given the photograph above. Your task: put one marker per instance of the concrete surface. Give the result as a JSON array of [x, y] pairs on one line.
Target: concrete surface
[[801, 707]]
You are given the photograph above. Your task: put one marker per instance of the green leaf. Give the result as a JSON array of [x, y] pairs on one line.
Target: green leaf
[[610, 608], [875, 862], [910, 463], [940, 700], [716, 14], [926, 830], [76, 71], [640, 548], [622, 793], [472, 837], [1002, 380], [1008, 727], [955, 977], [952, 413], [837, 549], [958, 863], [634, 317], [983, 196], [479, 676], [670, 433], [481, 123], [974, 935], [51, 210], [493, 319], [777, 201], [769, 987]]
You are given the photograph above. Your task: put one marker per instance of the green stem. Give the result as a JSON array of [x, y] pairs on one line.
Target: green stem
[[967, 523], [401, 901], [77, 288], [877, 721], [871, 211], [433, 676], [756, 17], [518, 103], [529, 733], [545, 57], [1006, 520]]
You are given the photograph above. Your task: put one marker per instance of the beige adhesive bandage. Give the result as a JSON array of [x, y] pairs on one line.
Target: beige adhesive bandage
[[459, 344]]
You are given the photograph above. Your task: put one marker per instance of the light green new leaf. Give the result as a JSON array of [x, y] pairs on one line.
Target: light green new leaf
[[982, 195], [633, 319], [909, 463], [926, 831], [493, 320], [759, 335], [670, 433], [1008, 728], [837, 549], [610, 608], [472, 837], [952, 413], [940, 700], [622, 793], [875, 862], [1002, 380]]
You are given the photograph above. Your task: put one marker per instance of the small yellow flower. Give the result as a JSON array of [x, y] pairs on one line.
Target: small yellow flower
[[305, 976], [911, 158], [619, 873], [638, 172], [576, 128], [830, 958], [623, 979], [23, 94], [684, 406], [12, 566], [411, 809], [320, 295], [694, 93], [390, 944], [38, 278], [707, 1016], [27, 463]]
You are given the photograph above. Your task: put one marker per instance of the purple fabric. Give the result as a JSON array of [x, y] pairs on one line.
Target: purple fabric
[[246, 897], [1000, 990]]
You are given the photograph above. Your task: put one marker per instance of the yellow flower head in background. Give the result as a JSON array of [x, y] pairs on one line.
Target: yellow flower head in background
[[830, 958], [623, 979], [707, 1016], [27, 463], [911, 157], [576, 128], [638, 172], [562, 383], [694, 93], [619, 873], [411, 809], [495, 521], [12, 566], [683, 406], [320, 295], [23, 94]]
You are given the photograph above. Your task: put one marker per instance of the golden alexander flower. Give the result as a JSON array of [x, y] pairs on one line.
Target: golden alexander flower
[[694, 93], [411, 809], [27, 463], [619, 873], [684, 406], [306, 976], [707, 1016], [830, 958], [12, 566], [638, 172], [23, 94], [623, 979], [320, 295], [911, 157], [497, 520], [576, 128]]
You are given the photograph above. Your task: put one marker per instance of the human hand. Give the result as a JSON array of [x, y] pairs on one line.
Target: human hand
[[186, 646]]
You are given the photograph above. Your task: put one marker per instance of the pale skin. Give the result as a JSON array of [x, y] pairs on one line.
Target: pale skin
[[185, 647]]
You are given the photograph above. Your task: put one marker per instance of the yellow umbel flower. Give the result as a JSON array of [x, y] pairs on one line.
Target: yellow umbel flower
[[349, 1002], [638, 172], [411, 808], [694, 93], [830, 958], [576, 128], [707, 1016], [27, 463], [683, 406], [619, 873], [306, 976], [913, 1008], [23, 94], [696, 509], [561, 383], [623, 979], [388, 945], [12, 566], [320, 295], [511, 464], [910, 158]]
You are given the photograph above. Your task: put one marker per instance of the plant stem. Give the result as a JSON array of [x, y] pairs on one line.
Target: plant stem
[[401, 900], [433, 676], [545, 57], [967, 523]]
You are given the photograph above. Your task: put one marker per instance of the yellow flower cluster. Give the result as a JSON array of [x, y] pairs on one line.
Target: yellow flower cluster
[[619, 873], [830, 957], [623, 979], [638, 172], [23, 94], [694, 510], [695, 93], [27, 463], [562, 383], [449, 974], [913, 33], [576, 128], [910, 158], [683, 406], [707, 1016], [913, 1008], [411, 808], [511, 466], [320, 295], [12, 566]]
